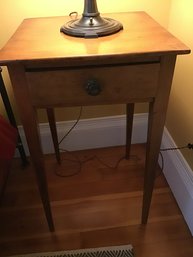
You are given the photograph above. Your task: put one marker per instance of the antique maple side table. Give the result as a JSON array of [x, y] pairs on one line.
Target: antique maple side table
[[49, 69]]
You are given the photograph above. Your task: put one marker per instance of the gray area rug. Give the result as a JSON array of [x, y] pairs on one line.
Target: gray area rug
[[111, 251]]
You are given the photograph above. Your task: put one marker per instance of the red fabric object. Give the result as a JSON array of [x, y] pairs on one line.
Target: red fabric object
[[8, 139]]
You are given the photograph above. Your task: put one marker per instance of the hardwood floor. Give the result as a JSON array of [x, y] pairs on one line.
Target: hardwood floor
[[99, 206]]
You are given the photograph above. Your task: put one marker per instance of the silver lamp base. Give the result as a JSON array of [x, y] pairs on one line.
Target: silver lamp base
[[91, 25]]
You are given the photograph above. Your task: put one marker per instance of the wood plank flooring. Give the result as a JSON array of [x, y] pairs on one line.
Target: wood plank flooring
[[98, 206]]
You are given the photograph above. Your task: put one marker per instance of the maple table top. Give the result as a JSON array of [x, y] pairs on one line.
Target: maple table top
[[40, 39]]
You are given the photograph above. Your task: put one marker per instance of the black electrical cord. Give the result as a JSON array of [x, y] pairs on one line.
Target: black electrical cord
[[188, 146], [77, 160], [73, 126], [80, 163]]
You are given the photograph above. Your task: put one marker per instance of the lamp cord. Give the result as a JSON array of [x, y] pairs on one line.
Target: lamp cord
[[188, 146], [73, 126], [80, 163], [77, 160]]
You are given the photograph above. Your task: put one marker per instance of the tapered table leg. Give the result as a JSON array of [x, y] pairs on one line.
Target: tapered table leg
[[157, 115], [129, 126], [52, 124], [28, 117]]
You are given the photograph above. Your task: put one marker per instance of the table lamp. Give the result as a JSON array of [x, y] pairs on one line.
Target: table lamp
[[91, 25]]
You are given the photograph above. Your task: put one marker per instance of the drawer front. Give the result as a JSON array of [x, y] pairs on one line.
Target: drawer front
[[91, 86]]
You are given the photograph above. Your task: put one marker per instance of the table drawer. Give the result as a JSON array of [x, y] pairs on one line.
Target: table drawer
[[93, 85]]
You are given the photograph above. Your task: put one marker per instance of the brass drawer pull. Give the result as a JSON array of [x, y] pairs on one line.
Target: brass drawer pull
[[92, 87]]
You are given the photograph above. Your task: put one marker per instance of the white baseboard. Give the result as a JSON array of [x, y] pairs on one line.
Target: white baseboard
[[110, 131], [92, 133], [179, 176]]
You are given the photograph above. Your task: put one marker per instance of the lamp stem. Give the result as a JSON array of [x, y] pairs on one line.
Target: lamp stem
[[90, 8]]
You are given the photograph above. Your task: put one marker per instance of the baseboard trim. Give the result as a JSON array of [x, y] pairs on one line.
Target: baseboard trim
[[92, 133], [110, 131], [179, 176]]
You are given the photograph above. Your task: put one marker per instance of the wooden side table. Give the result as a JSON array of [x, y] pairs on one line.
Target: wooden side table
[[49, 69]]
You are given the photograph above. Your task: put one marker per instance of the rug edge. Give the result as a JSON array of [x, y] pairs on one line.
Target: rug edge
[[74, 251]]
